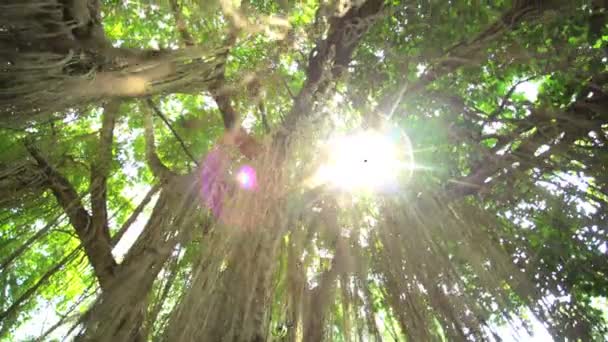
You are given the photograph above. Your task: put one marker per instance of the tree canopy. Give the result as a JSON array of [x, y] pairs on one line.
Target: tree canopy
[[160, 162]]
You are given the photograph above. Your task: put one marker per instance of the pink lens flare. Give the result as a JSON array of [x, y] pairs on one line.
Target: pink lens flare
[[213, 185], [246, 177]]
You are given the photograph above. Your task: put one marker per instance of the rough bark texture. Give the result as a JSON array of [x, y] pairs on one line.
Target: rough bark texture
[[95, 240], [55, 55]]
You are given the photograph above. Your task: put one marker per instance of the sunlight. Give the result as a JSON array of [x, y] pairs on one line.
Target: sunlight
[[365, 161], [529, 89]]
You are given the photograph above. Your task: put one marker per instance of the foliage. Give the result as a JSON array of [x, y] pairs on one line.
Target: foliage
[[108, 111]]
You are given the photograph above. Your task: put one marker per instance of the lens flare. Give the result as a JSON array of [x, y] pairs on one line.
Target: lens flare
[[246, 177]]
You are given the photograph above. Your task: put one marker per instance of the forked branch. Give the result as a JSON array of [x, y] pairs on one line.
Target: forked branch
[[157, 167]]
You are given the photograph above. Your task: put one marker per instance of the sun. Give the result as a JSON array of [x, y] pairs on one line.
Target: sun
[[367, 160]]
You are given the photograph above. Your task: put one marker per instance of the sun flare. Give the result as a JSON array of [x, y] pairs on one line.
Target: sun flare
[[366, 160]]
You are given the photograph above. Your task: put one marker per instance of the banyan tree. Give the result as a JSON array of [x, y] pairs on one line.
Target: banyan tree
[[185, 170]]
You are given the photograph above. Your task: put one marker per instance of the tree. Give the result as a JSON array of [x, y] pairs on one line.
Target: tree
[[108, 109]]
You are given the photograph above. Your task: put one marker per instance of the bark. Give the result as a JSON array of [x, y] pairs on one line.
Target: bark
[[100, 171], [96, 242], [329, 59], [120, 313], [157, 167]]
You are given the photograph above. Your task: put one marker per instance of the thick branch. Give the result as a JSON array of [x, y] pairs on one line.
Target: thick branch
[[180, 24], [331, 57], [101, 169], [191, 69], [95, 242], [229, 115], [157, 167], [222, 97]]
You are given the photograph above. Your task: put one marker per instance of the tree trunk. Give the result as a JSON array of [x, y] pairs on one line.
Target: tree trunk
[[119, 315]]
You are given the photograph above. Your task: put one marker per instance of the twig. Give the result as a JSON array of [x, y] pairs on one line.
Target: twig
[[507, 96], [179, 139], [27, 294]]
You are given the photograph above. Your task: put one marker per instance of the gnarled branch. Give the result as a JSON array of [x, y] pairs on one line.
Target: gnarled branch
[[96, 243], [331, 57]]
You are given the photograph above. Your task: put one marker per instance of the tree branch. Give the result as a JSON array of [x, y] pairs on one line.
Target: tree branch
[[221, 97], [157, 167], [179, 139], [180, 24], [330, 58], [563, 132], [96, 244], [461, 53], [101, 169], [507, 96], [12, 310], [7, 261]]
